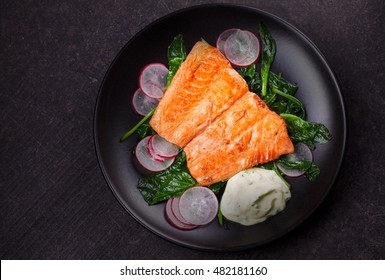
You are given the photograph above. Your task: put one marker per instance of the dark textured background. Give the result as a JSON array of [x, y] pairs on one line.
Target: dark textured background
[[55, 203]]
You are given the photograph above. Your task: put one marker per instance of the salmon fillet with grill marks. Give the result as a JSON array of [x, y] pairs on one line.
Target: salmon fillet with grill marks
[[204, 87], [246, 135]]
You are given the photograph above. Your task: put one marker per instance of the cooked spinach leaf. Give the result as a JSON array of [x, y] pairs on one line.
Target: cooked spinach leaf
[[292, 106], [311, 170], [218, 186], [247, 72], [252, 77], [268, 55], [145, 130], [268, 165], [306, 132], [176, 55], [286, 163], [279, 106], [169, 183], [279, 95], [279, 82]]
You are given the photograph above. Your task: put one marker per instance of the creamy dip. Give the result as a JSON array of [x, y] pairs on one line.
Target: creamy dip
[[253, 195]]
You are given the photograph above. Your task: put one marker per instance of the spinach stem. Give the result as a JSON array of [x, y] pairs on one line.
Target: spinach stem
[[292, 98], [267, 55], [270, 101], [275, 168], [264, 83], [132, 130]]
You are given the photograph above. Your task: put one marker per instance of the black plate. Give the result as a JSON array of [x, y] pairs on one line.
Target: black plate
[[300, 61]]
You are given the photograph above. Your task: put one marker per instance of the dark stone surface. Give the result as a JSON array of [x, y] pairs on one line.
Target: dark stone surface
[[55, 203]]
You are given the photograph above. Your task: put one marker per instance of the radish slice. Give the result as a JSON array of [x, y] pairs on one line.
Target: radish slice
[[176, 211], [151, 151], [142, 103], [153, 80], [301, 152], [198, 205], [147, 161], [255, 50], [237, 46], [223, 37], [173, 219], [162, 147], [242, 48]]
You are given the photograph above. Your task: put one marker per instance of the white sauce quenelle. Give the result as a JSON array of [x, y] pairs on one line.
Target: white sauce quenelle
[[253, 195]]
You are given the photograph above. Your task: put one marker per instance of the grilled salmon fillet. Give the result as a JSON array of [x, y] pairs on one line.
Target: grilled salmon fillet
[[245, 135], [209, 112], [204, 86]]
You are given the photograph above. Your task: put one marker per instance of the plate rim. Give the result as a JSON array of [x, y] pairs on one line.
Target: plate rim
[[211, 6]]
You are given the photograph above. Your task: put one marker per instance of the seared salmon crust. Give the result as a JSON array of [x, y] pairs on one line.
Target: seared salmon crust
[[204, 86]]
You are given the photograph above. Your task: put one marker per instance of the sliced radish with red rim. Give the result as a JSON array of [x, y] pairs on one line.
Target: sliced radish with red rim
[[153, 80], [173, 219], [176, 211], [151, 151], [198, 205], [147, 161], [162, 147], [301, 152], [142, 103], [242, 48], [223, 37]]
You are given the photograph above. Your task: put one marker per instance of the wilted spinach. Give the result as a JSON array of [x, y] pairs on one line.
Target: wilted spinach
[[311, 170], [171, 182], [306, 132], [290, 106], [279, 95], [145, 130], [218, 186], [176, 55], [247, 72], [279, 82]]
